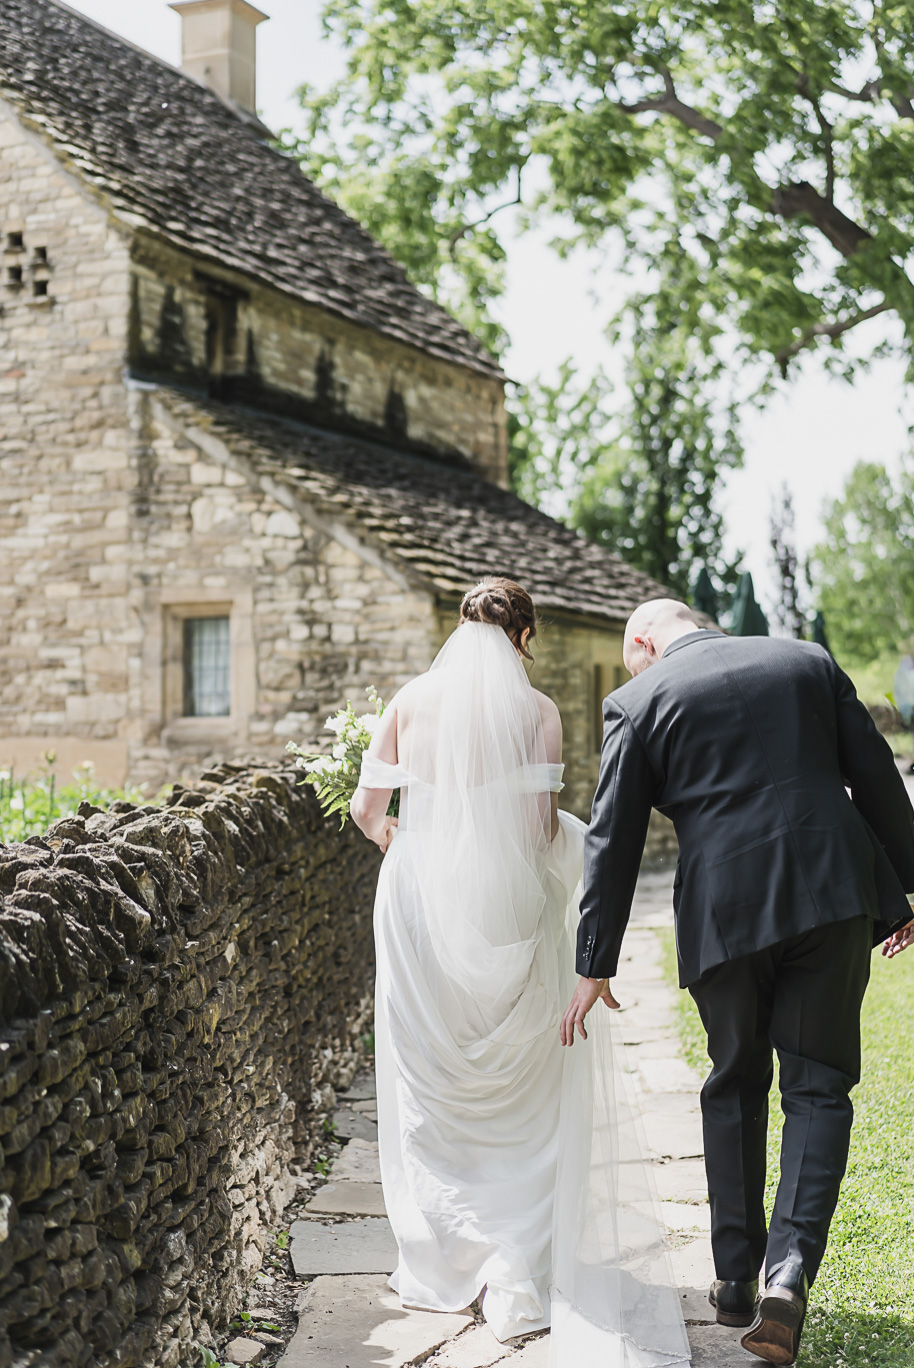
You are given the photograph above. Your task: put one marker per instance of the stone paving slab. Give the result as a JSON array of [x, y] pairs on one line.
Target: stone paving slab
[[686, 1215], [242, 1350], [358, 1322], [693, 1265], [359, 1162], [353, 1125], [366, 1246], [348, 1199], [681, 1180], [476, 1348], [668, 1076], [672, 1135], [717, 1346], [361, 1089], [696, 1308], [534, 1354]]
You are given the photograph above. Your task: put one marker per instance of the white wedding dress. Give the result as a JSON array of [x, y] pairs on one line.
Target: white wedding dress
[[509, 1164]]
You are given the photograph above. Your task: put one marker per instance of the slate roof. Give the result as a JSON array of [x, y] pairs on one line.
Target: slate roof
[[170, 156], [442, 528]]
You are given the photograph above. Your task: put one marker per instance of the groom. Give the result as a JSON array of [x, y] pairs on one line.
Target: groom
[[784, 884]]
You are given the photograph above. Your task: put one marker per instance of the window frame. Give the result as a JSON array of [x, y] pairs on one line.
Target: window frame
[[163, 659]]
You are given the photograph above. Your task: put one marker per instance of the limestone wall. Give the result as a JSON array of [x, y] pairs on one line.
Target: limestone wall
[[276, 352], [578, 666], [312, 623], [180, 990], [64, 291]]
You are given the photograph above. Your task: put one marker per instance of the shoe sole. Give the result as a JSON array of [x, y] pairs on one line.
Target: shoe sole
[[775, 1335], [734, 1318]]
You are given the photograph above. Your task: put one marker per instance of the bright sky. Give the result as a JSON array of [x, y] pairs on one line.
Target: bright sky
[[810, 436]]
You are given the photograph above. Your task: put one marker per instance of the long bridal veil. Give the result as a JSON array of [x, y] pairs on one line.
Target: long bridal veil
[[486, 1082]]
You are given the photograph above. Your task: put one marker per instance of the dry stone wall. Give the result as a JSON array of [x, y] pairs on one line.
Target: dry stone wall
[[180, 991]]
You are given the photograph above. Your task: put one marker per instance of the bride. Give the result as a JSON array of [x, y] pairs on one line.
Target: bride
[[511, 1168]]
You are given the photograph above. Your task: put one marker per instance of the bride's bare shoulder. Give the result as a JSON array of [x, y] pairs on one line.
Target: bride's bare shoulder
[[552, 722], [409, 693]]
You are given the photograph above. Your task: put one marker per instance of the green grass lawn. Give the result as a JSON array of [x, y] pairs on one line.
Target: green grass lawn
[[862, 1308]]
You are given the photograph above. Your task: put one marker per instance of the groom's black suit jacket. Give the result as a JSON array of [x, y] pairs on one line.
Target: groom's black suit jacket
[[749, 744]]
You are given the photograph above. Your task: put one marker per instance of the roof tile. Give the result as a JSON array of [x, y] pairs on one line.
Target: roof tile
[[175, 158], [441, 527]]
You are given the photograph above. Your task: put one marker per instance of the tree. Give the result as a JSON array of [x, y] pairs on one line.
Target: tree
[[757, 145], [863, 565], [788, 609], [641, 477]]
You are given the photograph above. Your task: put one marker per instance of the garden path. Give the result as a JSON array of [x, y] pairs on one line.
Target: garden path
[[348, 1316]]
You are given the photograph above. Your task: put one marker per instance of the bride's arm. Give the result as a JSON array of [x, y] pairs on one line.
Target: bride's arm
[[368, 808], [552, 737]]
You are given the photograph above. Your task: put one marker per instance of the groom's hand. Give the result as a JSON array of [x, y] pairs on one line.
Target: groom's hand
[[899, 941], [585, 995]]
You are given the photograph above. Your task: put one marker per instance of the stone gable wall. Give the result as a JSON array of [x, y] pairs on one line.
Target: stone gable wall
[[283, 355], [317, 624], [180, 992], [64, 628]]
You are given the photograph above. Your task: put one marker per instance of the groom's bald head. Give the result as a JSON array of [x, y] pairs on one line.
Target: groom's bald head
[[651, 628]]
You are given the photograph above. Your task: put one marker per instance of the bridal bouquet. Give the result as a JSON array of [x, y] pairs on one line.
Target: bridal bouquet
[[335, 777]]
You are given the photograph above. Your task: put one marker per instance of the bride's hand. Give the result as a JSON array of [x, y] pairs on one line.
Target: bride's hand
[[386, 835], [585, 995]]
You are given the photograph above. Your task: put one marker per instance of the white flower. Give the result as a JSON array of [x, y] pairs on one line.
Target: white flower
[[339, 751], [336, 724], [322, 765], [369, 722], [16, 802]]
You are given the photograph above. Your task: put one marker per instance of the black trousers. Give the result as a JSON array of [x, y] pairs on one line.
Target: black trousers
[[801, 997]]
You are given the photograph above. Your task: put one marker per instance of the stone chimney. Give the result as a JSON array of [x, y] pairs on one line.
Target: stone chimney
[[219, 46]]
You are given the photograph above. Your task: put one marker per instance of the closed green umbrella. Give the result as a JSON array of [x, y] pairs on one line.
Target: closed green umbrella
[[748, 618], [818, 632], [704, 595]]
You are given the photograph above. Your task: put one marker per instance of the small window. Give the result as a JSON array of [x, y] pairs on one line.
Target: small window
[[207, 691], [40, 256], [14, 276], [40, 289], [14, 242]]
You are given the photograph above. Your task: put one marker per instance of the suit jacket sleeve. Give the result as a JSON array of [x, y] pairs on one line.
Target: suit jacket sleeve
[[614, 844], [877, 788]]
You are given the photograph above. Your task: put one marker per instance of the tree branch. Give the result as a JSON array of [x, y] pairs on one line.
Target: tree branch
[[829, 330], [670, 103], [799, 198], [867, 93], [825, 129], [478, 223]]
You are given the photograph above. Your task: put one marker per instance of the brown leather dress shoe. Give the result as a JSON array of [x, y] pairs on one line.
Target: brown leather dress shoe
[[775, 1333], [734, 1302]]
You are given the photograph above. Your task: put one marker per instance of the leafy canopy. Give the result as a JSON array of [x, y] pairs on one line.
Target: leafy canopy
[[760, 143], [640, 478], [862, 568]]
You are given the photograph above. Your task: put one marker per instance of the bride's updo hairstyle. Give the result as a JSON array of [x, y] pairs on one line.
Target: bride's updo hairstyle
[[502, 603]]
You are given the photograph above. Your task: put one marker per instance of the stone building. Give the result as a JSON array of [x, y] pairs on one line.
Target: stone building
[[247, 468]]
